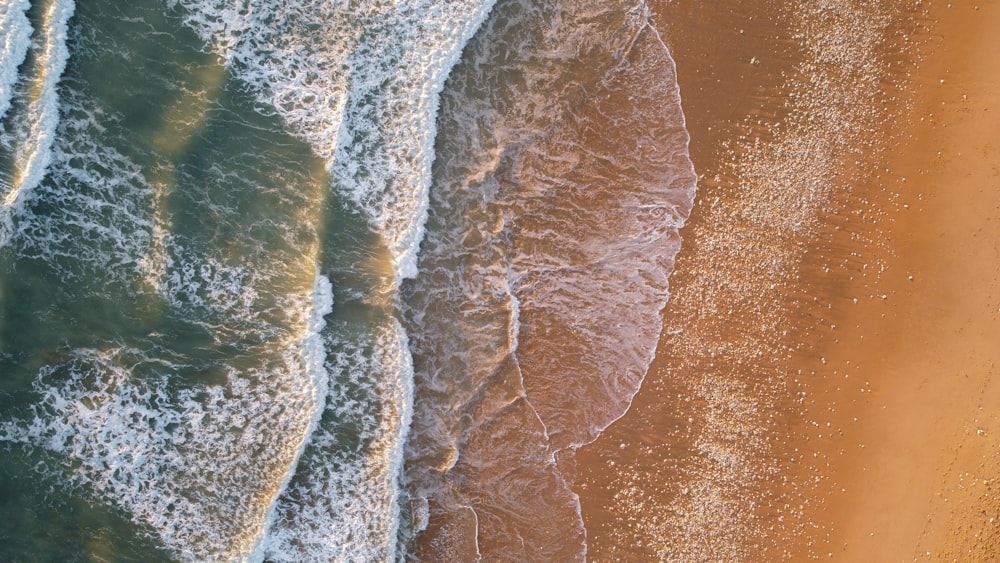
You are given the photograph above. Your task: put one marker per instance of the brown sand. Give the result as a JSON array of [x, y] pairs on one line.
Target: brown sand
[[924, 484], [824, 383]]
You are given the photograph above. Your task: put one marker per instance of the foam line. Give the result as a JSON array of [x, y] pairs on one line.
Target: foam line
[[15, 38], [344, 504], [314, 359], [36, 152]]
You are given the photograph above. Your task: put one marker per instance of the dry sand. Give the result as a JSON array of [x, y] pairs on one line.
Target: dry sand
[[925, 483], [824, 383]]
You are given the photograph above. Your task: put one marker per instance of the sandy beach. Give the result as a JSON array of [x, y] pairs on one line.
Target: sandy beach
[[327, 281], [823, 387], [922, 464]]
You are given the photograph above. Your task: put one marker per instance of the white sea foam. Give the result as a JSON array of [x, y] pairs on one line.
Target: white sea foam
[[206, 283], [99, 217], [314, 356], [223, 470], [196, 465], [15, 38], [343, 504], [34, 153], [360, 84]]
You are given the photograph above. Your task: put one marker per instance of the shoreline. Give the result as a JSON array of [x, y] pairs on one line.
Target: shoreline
[[734, 449]]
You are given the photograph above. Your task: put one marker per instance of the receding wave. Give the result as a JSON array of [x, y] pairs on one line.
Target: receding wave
[[561, 183]]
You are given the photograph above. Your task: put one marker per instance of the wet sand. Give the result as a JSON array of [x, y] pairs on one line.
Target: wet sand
[[824, 383]]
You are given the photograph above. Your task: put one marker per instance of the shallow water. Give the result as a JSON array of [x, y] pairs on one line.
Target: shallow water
[[561, 182]]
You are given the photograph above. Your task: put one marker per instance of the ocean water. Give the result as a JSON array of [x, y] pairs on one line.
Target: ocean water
[[319, 280]]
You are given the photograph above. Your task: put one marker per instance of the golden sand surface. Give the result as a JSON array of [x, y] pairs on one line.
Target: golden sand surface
[[823, 387], [922, 466]]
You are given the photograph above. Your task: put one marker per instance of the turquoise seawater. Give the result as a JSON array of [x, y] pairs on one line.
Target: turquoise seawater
[[306, 280]]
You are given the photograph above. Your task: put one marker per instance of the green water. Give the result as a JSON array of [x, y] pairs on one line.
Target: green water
[[158, 302], [216, 172]]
